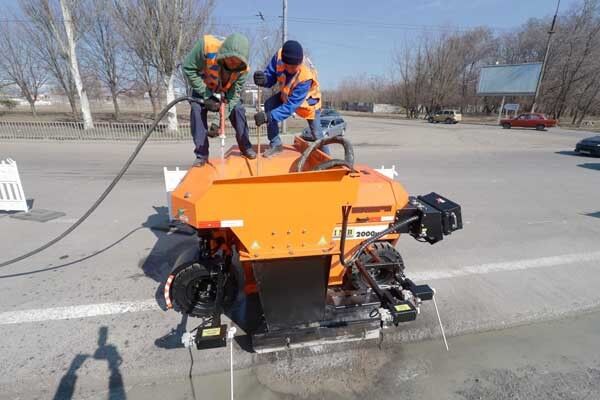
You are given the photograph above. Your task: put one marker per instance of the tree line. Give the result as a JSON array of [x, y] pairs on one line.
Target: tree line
[[114, 47], [442, 71]]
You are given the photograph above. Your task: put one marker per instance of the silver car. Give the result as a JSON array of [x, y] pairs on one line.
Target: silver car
[[331, 126]]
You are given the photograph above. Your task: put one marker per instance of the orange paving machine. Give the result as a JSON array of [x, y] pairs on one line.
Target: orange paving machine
[[302, 253]]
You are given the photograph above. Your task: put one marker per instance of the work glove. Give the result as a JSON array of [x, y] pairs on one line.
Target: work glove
[[212, 104], [261, 118], [260, 79]]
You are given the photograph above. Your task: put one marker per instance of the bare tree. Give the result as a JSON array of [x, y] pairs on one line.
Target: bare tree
[[46, 16], [161, 32], [104, 52], [20, 63]]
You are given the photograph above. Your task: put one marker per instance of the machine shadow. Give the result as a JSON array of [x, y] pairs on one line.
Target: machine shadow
[[594, 166], [161, 258], [104, 351], [567, 153]]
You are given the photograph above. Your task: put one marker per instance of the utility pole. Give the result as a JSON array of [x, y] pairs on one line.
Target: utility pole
[[550, 33], [283, 39]]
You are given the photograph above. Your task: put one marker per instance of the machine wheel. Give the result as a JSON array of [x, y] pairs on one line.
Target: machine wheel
[[194, 291], [540, 127], [448, 121], [430, 120], [506, 125], [380, 252]]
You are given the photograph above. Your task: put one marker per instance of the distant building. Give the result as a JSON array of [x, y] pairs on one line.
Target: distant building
[[371, 107]]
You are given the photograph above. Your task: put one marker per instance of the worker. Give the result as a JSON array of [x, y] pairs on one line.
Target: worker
[[218, 67], [298, 93]]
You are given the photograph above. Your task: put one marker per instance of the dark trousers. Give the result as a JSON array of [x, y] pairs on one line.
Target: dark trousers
[[199, 128], [314, 125]]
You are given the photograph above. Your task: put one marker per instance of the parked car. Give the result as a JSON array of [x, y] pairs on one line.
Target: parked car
[[529, 120], [589, 146], [330, 112], [331, 126], [446, 116]]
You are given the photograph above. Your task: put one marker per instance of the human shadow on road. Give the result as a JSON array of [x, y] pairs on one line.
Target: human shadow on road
[[168, 246], [594, 166], [108, 352], [66, 387]]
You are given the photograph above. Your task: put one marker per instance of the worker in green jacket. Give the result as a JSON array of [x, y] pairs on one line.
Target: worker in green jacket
[[220, 67]]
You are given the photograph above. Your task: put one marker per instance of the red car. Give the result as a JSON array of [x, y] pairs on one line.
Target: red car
[[529, 120]]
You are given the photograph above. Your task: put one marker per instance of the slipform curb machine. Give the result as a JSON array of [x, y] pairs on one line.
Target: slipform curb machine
[[302, 253]]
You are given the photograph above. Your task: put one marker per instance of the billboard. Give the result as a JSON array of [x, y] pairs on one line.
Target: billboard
[[509, 79]]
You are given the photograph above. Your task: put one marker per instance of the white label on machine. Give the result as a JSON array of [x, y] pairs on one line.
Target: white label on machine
[[358, 231]]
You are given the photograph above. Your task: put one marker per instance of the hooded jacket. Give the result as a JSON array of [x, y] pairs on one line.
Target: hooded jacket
[[235, 45]]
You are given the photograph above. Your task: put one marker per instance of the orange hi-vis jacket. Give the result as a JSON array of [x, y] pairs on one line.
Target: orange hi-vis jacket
[[211, 73], [307, 72]]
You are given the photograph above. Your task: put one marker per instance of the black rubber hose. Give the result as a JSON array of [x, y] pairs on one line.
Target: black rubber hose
[[348, 153], [393, 228], [112, 184]]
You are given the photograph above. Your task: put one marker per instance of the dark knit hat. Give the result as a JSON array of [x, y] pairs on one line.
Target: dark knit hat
[[292, 53]]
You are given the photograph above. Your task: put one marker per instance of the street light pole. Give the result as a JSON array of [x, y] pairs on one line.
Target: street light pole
[[550, 33]]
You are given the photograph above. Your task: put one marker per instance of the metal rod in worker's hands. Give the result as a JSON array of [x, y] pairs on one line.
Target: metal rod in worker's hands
[[258, 128]]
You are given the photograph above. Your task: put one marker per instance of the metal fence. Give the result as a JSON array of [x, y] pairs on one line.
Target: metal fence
[[111, 131]]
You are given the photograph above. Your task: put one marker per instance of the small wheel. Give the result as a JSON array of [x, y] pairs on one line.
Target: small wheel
[[380, 252], [194, 291], [430, 119], [540, 127], [448, 120], [506, 125]]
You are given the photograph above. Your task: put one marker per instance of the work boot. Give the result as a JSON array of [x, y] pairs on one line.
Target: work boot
[[249, 153], [273, 150], [200, 162]]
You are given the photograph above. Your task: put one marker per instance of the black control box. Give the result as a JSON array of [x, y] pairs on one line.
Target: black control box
[[211, 337], [450, 211]]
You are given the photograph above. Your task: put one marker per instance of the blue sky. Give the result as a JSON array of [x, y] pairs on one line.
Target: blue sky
[[367, 31], [355, 37]]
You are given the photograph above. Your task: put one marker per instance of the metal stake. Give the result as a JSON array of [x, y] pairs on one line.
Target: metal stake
[[440, 321]]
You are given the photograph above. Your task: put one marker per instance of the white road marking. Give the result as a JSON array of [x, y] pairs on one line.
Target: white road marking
[[71, 312], [542, 262], [94, 310]]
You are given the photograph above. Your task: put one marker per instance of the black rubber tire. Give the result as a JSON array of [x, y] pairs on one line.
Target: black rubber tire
[[540, 127], [430, 120], [185, 287], [506, 125], [448, 120], [385, 276]]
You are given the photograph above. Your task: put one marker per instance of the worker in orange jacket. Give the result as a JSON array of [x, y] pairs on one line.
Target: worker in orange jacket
[[298, 93]]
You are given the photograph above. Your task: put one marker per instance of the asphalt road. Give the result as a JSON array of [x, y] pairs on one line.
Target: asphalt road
[[84, 314], [545, 361]]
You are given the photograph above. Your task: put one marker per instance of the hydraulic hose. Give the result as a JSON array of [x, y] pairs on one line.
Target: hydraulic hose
[[348, 160], [393, 228], [111, 186]]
